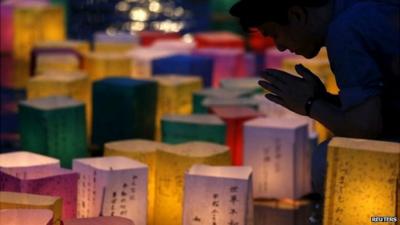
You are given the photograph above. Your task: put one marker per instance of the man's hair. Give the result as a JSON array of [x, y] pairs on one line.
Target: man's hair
[[252, 13]]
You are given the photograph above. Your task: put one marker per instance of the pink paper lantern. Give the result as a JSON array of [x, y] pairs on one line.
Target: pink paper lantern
[[52, 182], [274, 58], [26, 217], [108, 220]]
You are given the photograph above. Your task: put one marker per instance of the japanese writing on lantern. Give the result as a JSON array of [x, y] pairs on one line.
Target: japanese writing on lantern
[[233, 205], [124, 196], [265, 165], [277, 154]]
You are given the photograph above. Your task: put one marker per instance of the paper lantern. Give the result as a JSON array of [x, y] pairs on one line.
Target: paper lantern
[[144, 151], [269, 108], [26, 216], [278, 151], [282, 212], [54, 126], [81, 46], [106, 220], [100, 65], [220, 39], [6, 36], [34, 23], [112, 186], [147, 38], [13, 200], [6, 71], [234, 117], [274, 58], [56, 182], [248, 84], [362, 181], [20, 162], [227, 62], [185, 65], [118, 42], [75, 85], [180, 44], [142, 59], [174, 96], [123, 108], [230, 102], [248, 66], [179, 129], [218, 93], [218, 195], [171, 166]]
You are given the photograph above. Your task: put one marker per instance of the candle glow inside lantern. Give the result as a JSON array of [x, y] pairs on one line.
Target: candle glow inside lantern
[[26, 216], [218, 195], [54, 126], [33, 23], [123, 108], [185, 65], [52, 182], [104, 220], [278, 150], [234, 117], [114, 42], [201, 127], [112, 186], [14, 200], [174, 96], [144, 151], [100, 65], [362, 181], [219, 40]]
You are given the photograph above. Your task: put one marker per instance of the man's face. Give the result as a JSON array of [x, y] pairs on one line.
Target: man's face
[[297, 39]]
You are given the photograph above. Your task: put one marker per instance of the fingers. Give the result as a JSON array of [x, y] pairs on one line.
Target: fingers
[[270, 87], [304, 72], [281, 75], [274, 79], [274, 98]]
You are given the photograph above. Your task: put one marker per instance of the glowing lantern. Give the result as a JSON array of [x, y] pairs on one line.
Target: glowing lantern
[[230, 102], [112, 186], [218, 93], [6, 71], [278, 151], [247, 84], [100, 65], [282, 212], [19, 163], [219, 40], [13, 200], [6, 36], [144, 151], [174, 96], [269, 108], [56, 182], [26, 216], [172, 163], [34, 23], [181, 45], [185, 65], [274, 58], [179, 129], [123, 108], [106, 220], [248, 66], [234, 117], [218, 195], [362, 181], [118, 42], [54, 126], [147, 38]]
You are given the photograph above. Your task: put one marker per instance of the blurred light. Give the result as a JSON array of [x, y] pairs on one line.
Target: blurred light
[[188, 38], [139, 14], [170, 26], [137, 26], [155, 7], [179, 12], [122, 6], [111, 31]]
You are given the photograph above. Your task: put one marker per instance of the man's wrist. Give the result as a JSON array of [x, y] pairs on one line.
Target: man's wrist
[[309, 103]]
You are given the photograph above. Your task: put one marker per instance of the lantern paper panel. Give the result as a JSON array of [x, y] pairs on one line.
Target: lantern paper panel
[[174, 96], [53, 182], [274, 58], [278, 151], [230, 102], [123, 108], [219, 39], [247, 84], [75, 85], [185, 65], [33, 23], [80, 46], [6, 36], [234, 117], [54, 60], [104, 220], [184, 45], [14, 200], [100, 65], [362, 181], [26, 217], [6, 71], [21, 162], [54, 126], [144, 151], [218, 195], [147, 38], [172, 163], [202, 127], [282, 212], [112, 186], [218, 93], [108, 42]]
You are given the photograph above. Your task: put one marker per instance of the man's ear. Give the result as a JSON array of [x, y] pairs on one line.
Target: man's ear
[[297, 16]]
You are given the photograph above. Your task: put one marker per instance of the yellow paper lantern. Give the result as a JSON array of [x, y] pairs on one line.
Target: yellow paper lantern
[[34, 23], [110, 42], [101, 65], [362, 182], [13, 200]]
